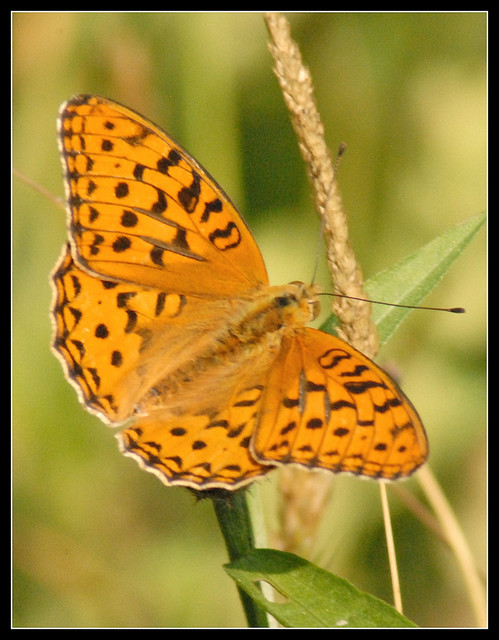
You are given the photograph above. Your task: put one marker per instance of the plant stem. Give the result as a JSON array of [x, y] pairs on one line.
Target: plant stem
[[235, 523]]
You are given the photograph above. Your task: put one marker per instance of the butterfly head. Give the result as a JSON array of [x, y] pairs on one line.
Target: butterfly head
[[298, 303]]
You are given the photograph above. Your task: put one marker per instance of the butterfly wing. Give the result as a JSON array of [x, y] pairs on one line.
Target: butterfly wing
[[142, 210], [320, 404], [328, 406], [116, 339], [158, 265], [157, 252], [202, 450]]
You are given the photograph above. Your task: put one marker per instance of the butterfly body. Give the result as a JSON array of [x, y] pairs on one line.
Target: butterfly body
[[164, 319]]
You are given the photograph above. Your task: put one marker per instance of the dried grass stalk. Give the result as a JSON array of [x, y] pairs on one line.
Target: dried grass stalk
[[304, 495], [296, 84]]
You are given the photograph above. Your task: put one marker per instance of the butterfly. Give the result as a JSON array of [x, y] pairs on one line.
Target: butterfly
[[166, 325]]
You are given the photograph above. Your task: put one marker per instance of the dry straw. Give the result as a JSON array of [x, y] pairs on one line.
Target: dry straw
[[300, 515], [297, 88]]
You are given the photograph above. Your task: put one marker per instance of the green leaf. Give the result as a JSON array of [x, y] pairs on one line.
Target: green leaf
[[312, 596], [410, 280]]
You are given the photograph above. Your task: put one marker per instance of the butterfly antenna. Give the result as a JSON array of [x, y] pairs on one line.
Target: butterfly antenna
[[34, 185], [339, 155], [341, 151], [320, 239], [394, 304]]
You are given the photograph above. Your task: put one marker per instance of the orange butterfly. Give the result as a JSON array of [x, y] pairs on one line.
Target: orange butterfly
[[163, 314]]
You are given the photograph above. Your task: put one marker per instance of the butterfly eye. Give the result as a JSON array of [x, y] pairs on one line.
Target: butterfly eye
[[285, 301]]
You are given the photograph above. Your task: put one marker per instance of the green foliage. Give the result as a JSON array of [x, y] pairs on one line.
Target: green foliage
[[309, 596]]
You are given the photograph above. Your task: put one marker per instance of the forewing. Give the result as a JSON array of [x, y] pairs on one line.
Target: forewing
[[142, 210]]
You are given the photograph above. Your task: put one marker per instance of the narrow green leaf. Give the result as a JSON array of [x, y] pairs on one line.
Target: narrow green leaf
[[309, 596], [410, 280]]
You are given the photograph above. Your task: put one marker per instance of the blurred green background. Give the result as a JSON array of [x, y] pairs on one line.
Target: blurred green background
[[98, 542]]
